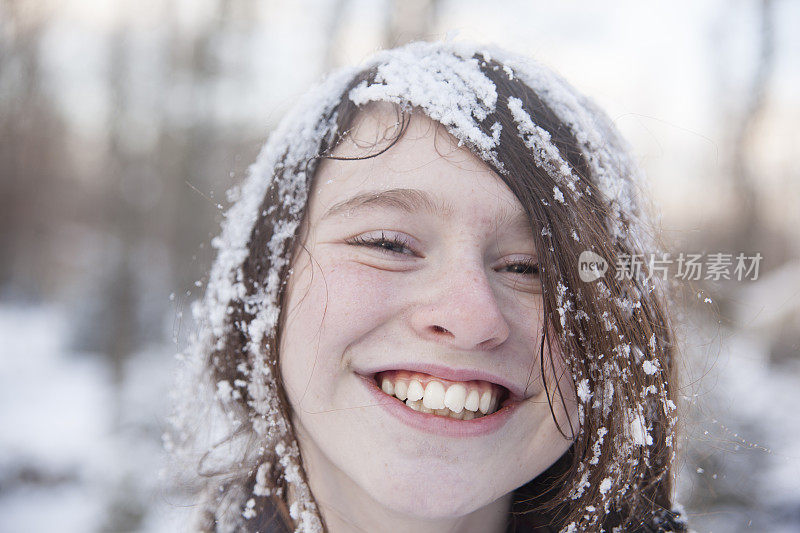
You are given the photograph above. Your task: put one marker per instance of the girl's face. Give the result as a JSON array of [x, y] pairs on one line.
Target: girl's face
[[417, 278]]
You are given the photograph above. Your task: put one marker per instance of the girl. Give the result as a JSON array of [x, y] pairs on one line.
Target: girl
[[411, 323]]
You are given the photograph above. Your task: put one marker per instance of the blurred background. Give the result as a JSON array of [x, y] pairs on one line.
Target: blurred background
[[123, 122]]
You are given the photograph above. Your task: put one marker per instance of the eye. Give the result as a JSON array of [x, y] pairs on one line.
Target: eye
[[392, 243], [525, 267]]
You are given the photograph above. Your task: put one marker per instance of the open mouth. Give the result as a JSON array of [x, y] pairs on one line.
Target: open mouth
[[459, 400]]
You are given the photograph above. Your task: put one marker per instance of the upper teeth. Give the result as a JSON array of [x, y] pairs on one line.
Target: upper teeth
[[460, 400]]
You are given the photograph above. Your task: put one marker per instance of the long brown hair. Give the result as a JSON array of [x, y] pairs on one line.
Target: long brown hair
[[614, 333]]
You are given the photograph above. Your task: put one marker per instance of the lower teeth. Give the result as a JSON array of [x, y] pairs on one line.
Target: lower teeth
[[465, 414]]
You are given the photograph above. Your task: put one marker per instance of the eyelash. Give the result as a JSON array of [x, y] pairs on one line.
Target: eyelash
[[529, 267], [384, 243], [396, 245]]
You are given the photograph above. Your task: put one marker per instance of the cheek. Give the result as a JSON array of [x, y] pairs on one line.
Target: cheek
[[336, 300], [524, 314], [563, 423], [542, 440], [330, 305], [525, 317]]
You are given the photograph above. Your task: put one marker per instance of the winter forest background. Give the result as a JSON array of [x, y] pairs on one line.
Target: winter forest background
[[122, 123]]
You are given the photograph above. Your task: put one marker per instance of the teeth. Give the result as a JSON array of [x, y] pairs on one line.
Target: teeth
[[415, 390], [459, 401], [454, 397], [457, 416], [401, 389], [472, 401], [414, 404], [434, 395], [486, 401]]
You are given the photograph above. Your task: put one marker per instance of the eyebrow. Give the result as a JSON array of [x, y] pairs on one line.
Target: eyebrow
[[408, 200], [413, 201]]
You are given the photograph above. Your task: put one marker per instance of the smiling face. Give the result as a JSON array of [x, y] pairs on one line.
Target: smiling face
[[418, 277]]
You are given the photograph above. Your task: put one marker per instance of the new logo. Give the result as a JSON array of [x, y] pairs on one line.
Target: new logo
[[591, 266]]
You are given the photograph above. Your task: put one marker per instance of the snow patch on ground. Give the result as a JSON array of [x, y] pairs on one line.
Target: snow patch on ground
[[76, 447]]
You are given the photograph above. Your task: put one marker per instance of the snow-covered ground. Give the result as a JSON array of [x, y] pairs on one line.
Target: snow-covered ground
[[79, 452]]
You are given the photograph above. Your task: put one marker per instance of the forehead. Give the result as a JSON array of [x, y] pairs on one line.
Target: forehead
[[441, 176]]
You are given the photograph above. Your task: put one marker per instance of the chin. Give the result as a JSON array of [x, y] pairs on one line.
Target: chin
[[413, 495], [431, 506]]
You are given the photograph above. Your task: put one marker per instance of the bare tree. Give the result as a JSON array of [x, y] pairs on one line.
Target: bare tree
[[32, 155], [744, 178]]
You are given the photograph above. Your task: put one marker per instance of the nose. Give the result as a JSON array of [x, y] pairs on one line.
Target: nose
[[460, 310]]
